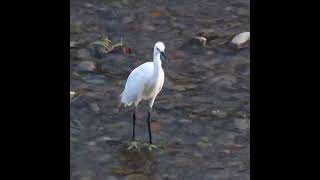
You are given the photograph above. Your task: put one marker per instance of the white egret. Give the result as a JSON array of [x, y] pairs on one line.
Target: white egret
[[144, 83]]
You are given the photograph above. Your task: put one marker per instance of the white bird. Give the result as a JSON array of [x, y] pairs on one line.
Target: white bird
[[144, 83]]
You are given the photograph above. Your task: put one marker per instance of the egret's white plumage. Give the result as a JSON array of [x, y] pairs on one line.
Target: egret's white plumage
[[146, 81]]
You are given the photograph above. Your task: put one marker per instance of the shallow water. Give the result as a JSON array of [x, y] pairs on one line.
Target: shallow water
[[202, 114]]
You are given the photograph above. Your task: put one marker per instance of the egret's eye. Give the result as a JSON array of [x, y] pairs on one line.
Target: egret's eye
[[158, 49]]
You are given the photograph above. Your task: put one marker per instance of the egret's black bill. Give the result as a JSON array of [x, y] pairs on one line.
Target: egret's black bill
[[162, 53]]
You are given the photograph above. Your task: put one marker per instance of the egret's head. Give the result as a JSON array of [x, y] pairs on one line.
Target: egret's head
[[159, 48]]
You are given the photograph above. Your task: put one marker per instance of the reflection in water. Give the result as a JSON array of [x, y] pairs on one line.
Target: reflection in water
[[137, 163]]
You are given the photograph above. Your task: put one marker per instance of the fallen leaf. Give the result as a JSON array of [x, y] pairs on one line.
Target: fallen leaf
[[156, 14]]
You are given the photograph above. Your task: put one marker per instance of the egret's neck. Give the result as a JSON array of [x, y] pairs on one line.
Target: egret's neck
[[156, 63]]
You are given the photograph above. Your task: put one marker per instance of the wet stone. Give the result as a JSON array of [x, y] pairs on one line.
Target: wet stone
[[96, 79], [84, 54], [84, 66], [241, 40], [94, 107], [124, 64]]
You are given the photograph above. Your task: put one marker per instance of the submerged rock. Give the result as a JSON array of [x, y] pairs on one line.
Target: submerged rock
[[95, 79], [94, 107], [124, 64], [84, 66], [84, 54]]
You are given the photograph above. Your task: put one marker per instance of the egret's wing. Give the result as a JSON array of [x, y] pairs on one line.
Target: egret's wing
[[136, 82]]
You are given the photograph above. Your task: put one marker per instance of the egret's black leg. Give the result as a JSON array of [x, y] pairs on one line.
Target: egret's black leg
[[134, 124], [148, 119]]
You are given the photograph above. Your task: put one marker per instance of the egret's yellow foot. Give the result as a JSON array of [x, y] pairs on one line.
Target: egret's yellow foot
[[133, 145]]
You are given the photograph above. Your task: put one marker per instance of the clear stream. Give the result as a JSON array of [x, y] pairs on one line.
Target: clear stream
[[202, 114]]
